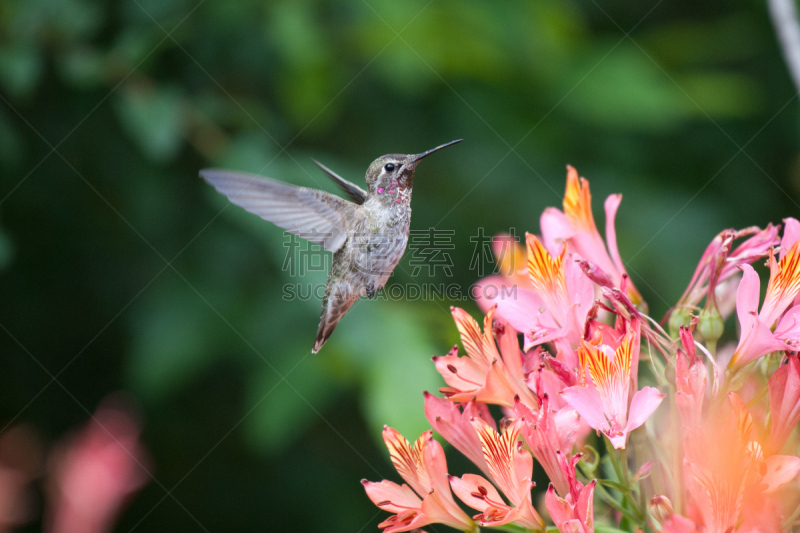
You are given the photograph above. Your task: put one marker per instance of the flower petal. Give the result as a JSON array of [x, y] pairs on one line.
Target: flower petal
[[781, 469], [556, 229], [611, 205], [455, 426], [568, 423], [475, 491], [587, 402], [784, 285], [560, 510], [747, 298], [461, 373], [643, 404], [439, 505], [390, 496], [791, 234], [407, 459]]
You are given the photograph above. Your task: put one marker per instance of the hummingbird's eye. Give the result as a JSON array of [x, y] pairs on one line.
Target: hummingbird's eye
[[389, 167]]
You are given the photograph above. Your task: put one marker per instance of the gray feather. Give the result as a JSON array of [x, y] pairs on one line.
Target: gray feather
[[355, 192], [308, 213]]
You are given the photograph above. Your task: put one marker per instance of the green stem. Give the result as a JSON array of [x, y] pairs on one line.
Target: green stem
[[611, 502], [621, 469], [623, 459], [711, 346], [612, 456]]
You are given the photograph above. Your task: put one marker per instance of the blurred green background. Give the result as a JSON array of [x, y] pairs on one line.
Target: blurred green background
[[120, 269]]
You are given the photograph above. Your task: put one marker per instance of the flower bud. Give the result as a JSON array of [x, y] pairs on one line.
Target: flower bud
[[660, 508], [710, 325], [590, 458], [679, 317]]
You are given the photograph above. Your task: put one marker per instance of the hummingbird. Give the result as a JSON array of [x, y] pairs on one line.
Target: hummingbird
[[367, 235]]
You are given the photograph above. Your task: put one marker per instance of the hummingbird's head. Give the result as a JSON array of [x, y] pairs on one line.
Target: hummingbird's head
[[393, 174]]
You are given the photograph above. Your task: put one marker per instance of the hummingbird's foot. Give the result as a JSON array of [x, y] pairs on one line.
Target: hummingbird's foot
[[371, 290]]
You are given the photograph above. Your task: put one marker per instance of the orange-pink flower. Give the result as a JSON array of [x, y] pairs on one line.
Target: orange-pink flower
[[720, 262], [605, 401], [486, 374], [428, 500], [576, 226], [550, 436], [772, 328], [573, 513], [511, 468], [453, 422], [556, 305]]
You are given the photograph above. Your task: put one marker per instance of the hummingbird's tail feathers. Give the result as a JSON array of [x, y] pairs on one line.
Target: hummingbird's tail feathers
[[355, 192], [314, 215], [339, 298]]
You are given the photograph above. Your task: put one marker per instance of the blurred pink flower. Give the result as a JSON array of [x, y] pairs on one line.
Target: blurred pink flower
[[679, 524], [604, 401], [733, 484], [511, 468], [428, 500], [95, 472]]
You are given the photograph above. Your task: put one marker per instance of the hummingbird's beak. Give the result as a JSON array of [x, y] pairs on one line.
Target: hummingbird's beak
[[423, 155]]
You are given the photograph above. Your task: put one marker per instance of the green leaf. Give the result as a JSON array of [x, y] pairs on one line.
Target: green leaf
[[173, 341], [391, 340], [614, 485], [21, 68], [624, 89], [83, 67], [154, 117], [284, 409]]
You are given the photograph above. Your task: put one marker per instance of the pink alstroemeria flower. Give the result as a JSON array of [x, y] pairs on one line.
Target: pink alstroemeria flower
[[486, 374], [757, 336], [604, 401], [511, 274], [576, 226], [558, 303], [429, 499], [511, 467], [718, 263], [550, 436], [575, 512], [95, 473], [453, 422], [690, 380], [784, 403]]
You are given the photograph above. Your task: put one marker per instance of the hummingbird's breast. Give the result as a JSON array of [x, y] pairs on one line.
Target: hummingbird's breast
[[377, 242]]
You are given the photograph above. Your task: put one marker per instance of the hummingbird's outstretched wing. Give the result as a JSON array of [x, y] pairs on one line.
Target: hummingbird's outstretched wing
[[355, 192], [308, 213]]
